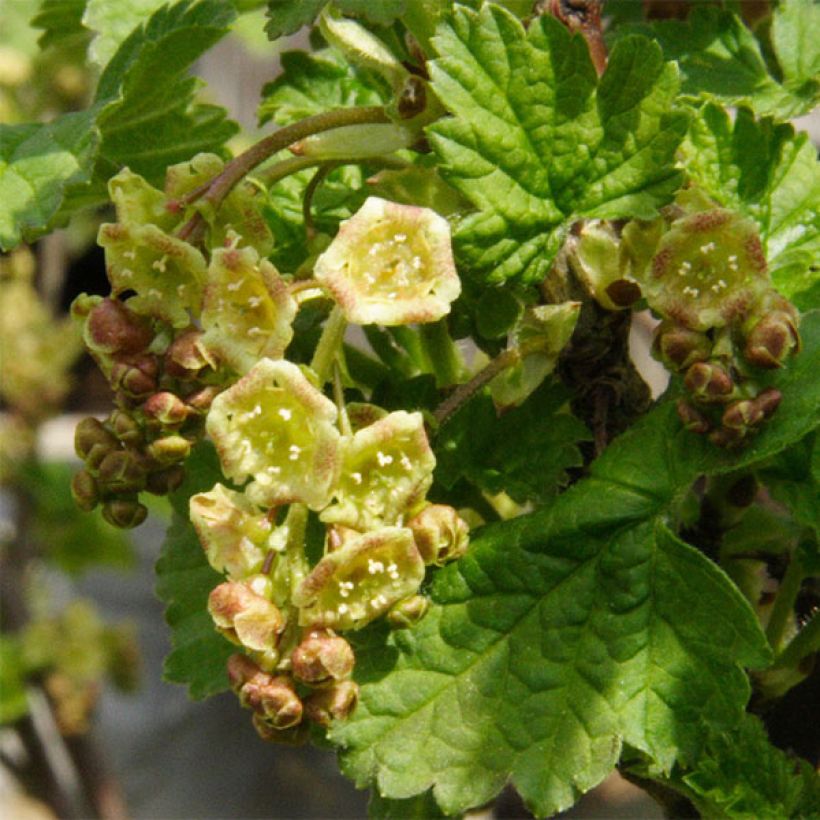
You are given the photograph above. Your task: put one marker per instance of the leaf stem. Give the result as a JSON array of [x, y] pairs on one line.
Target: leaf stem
[[806, 641], [442, 353], [330, 341], [464, 392], [220, 186], [784, 603]]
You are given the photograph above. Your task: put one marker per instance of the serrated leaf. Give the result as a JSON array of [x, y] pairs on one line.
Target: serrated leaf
[[772, 175], [61, 22], [564, 633], [423, 807], [143, 116], [37, 164], [742, 775], [288, 16], [721, 59], [184, 582], [113, 22], [382, 13], [537, 142], [310, 84], [525, 452]]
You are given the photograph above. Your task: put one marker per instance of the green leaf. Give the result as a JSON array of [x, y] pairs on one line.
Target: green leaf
[[113, 22], [721, 59], [74, 540], [423, 807], [525, 452], [147, 116], [772, 175], [61, 22], [37, 164], [288, 16], [184, 582], [143, 116], [565, 633], [742, 775], [312, 83], [537, 142], [13, 701]]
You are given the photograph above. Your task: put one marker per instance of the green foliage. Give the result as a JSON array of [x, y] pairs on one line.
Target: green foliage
[[288, 16], [741, 775], [537, 142], [61, 22], [73, 540], [765, 171], [566, 632], [423, 807], [143, 116], [13, 701], [525, 452], [113, 22], [720, 58], [184, 581]]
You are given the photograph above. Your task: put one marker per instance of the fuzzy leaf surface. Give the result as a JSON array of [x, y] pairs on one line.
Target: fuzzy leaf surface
[[721, 59], [184, 582], [772, 175], [566, 632], [537, 142]]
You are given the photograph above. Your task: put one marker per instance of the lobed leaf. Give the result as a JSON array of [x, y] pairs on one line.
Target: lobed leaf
[[288, 16], [565, 633], [772, 175], [536, 142]]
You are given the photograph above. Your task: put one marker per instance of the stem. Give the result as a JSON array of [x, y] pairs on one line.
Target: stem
[[329, 343], [220, 186], [804, 643], [296, 562], [307, 199], [464, 392], [784, 603], [441, 352], [339, 396]]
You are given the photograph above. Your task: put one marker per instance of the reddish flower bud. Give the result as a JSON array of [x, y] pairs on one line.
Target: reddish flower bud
[[184, 358], [165, 409], [84, 491], [169, 449], [337, 702], [135, 375], [200, 400], [245, 616], [441, 535], [678, 347], [162, 482], [274, 699], [772, 340], [125, 427], [322, 656], [90, 434], [768, 401], [121, 472], [709, 382], [742, 416], [408, 612], [112, 328], [124, 514], [693, 420]]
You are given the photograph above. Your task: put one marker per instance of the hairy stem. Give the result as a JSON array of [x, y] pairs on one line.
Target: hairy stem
[[329, 345]]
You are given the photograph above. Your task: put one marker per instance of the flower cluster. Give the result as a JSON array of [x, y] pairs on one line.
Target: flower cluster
[[280, 437]]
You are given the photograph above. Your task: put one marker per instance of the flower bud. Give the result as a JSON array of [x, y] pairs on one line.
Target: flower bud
[[693, 420], [441, 535], [337, 702], [165, 409], [709, 382], [742, 416], [200, 400], [768, 401], [322, 656], [84, 491], [240, 670], [245, 617], [274, 699], [162, 482], [90, 434], [135, 375], [121, 472], [678, 347], [408, 612], [124, 514], [771, 341], [169, 449], [292, 736], [184, 358], [125, 427], [112, 328]]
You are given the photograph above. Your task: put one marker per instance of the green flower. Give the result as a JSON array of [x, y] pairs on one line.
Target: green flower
[[387, 469], [391, 264], [247, 310], [360, 581], [274, 426]]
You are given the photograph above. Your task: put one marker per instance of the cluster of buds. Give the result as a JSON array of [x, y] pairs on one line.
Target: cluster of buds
[[703, 271], [192, 320], [161, 398], [277, 434], [723, 323]]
